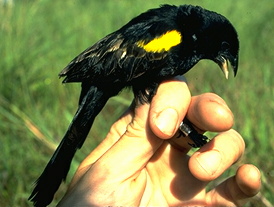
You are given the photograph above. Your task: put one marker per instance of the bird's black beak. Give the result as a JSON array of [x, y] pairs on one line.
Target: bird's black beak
[[223, 62]]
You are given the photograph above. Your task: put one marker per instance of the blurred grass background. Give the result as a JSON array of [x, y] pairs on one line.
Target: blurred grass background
[[39, 37]]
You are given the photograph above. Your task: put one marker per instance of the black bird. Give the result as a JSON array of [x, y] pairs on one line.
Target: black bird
[[154, 46]]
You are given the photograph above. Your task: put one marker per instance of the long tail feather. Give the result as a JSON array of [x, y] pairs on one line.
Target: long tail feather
[[57, 168]]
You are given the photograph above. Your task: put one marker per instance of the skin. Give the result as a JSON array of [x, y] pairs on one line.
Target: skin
[[141, 162]]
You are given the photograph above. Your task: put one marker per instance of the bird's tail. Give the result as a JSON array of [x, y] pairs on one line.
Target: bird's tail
[[57, 168]]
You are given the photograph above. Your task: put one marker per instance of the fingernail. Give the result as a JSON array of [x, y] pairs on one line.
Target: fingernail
[[166, 121], [210, 161]]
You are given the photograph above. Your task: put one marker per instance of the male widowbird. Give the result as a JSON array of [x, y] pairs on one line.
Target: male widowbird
[[154, 46]]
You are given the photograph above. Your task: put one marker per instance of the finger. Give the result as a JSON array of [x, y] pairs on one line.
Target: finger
[[168, 107], [216, 156], [237, 190], [209, 112]]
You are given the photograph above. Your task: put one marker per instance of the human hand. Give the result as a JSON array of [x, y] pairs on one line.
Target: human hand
[[141, 162]]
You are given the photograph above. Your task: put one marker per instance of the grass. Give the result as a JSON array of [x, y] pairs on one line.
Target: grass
[[38, 38]]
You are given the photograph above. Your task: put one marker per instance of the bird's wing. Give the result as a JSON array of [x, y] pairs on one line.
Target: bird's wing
[[125, 54], [115, 55]]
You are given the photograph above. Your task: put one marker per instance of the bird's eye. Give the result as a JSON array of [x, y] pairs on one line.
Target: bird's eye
[[225, 46]]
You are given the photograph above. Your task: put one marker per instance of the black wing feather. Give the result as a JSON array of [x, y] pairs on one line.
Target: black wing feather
[[118, 53]]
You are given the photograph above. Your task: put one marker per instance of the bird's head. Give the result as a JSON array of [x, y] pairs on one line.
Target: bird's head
[[210, 36]]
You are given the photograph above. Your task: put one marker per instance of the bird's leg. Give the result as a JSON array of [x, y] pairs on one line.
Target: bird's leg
[[145, 94], [186, 129]]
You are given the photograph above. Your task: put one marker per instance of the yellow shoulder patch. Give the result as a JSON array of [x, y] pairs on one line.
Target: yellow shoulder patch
[[162, 43]]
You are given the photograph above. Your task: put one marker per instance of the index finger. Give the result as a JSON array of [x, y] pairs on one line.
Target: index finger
[[209, 112]]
